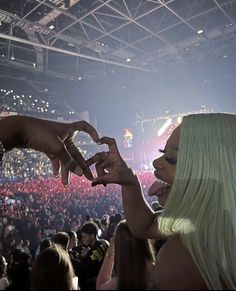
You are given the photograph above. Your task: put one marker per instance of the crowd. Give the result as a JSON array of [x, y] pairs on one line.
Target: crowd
[[56, 231], [32, 201], [21, 164], [38, 105]]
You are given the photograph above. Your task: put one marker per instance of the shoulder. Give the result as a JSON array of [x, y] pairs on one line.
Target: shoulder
[[175, 268], [99, 250], [101, 243]]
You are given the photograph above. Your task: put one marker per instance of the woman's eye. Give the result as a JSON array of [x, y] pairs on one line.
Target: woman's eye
[[170, 160]]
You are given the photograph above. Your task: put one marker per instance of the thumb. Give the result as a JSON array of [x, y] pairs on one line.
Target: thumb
[[106, 179]]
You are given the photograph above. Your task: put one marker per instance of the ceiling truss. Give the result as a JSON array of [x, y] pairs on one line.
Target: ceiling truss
[[88, 37]]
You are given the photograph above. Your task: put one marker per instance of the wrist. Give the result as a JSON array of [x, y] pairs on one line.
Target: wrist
[[133, 179], [110, 255]]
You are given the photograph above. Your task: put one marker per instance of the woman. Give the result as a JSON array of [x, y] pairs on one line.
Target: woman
[[196, 184], [132, 259], [52, 270]]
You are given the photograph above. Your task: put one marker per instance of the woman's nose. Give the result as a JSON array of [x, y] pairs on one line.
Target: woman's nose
[[157, 164]]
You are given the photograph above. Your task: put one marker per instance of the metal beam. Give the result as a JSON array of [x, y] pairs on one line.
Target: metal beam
[[223, 11], [91, 58], [79, 19]]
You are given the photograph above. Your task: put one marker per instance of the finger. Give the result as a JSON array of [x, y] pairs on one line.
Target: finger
[[111, 142], [65, 175], [100, 171], [55, 167], [74, 168], [55, 164], [98, 157], [86, 127], [78, 158], [106, 179], [58, 150]]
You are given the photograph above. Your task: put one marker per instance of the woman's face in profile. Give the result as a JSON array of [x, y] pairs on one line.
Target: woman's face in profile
[[165, 168]]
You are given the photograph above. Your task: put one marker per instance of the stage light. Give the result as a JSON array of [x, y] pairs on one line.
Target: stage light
[[164, 127], [200, 31]]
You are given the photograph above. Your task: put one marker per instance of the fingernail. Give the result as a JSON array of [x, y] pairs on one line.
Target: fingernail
[[78, 171]]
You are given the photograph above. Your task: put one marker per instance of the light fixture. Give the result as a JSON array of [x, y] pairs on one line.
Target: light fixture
[[128, 60], [200, 31], [79, 78], [51, 27]]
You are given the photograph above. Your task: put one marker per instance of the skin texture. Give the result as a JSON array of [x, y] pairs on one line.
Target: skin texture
[[165, 166], [52, 138]]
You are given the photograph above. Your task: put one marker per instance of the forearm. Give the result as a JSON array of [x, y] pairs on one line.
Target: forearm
[[139, 215], [10, 132], [105, 272]]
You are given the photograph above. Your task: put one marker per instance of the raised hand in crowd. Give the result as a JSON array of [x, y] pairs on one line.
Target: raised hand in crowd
[[55, 139], [111, 168]]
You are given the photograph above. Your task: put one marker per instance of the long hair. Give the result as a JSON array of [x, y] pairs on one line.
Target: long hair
[[52, 270], [132, 256], [202, 202]]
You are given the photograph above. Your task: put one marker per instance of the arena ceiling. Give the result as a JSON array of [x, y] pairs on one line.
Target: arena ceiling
[[81, 39]]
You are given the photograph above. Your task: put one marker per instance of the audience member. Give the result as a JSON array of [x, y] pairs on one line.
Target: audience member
[[52, 270], [196, 185], [92, 256], [18, 271], [129, 258]]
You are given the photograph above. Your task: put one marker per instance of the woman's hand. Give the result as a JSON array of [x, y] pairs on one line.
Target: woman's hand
[[53, 138], [110, 166]]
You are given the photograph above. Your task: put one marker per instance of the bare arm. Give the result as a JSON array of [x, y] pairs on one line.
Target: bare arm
[[105, 273], [111, 168], [141, 219]]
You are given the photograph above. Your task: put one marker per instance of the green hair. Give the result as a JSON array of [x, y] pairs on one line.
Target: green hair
[[202, 203]]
